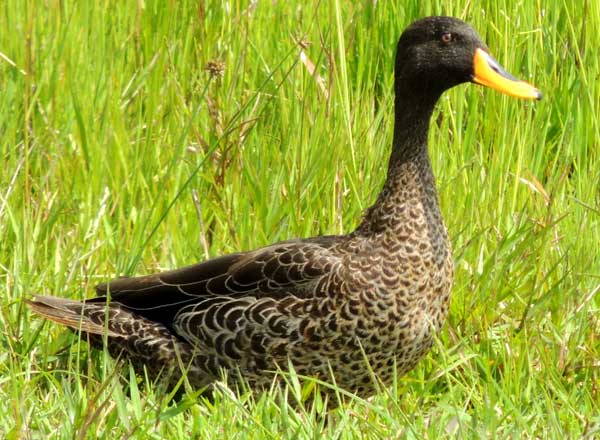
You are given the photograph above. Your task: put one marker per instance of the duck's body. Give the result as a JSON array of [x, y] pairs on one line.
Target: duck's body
[[327, 304]]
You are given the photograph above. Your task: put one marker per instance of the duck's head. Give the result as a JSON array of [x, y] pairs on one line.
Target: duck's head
[[437, 53]]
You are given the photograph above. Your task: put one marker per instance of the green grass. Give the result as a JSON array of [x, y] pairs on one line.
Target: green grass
[[109, 125]]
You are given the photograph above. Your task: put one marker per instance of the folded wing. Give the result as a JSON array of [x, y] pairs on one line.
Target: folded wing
[[290, 268]]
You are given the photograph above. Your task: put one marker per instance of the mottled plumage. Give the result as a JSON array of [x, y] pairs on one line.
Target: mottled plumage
[[325, 303]]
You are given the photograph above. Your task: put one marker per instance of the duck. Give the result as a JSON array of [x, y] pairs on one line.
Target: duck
[[344, 308]]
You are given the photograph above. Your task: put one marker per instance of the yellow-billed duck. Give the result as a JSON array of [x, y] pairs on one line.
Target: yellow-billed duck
[[325, 304]]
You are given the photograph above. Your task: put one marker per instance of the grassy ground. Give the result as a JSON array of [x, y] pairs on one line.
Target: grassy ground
[[122, 155]]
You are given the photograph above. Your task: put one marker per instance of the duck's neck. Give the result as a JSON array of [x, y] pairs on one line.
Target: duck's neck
[[409, 190], [411, 127]]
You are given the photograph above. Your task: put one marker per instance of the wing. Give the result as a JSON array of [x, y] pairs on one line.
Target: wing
[[276, 271]]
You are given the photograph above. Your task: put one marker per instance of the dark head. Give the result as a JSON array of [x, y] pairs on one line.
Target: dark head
[[437, 53]]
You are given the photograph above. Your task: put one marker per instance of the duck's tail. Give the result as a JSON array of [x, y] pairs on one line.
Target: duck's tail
[[80, 316], [125, 333]]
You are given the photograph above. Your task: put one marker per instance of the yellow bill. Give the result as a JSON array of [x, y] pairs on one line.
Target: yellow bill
[[488, 72]]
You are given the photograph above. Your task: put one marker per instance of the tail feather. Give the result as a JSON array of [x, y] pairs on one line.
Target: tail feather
[[147, 344], [71, 313]]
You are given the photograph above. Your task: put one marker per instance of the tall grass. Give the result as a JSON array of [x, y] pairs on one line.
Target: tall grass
[[122, 155]]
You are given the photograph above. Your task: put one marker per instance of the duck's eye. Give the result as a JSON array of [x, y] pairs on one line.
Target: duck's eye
[[446, 37]]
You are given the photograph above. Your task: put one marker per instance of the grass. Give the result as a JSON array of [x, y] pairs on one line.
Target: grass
[[122, 155]]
